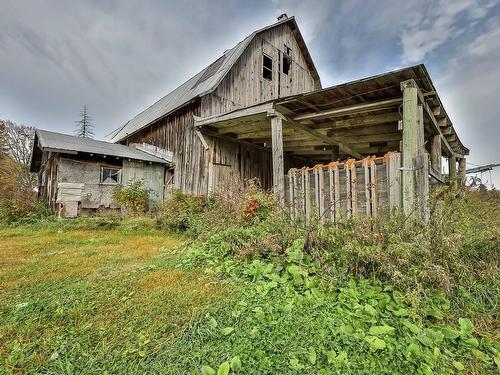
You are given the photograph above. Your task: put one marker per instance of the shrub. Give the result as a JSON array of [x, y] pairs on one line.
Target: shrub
[[24, 212], [181, 211], [134, 198]]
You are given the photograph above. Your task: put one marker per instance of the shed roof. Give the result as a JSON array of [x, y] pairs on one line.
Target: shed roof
[[69, 144], [203, 83]]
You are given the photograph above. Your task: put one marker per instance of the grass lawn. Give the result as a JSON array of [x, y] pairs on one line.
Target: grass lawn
[[79, 300], [100, 297]]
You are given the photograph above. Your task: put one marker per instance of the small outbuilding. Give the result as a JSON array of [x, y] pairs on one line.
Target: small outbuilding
[[77, 176]]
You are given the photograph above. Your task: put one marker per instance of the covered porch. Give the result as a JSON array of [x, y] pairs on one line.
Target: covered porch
[[396, 111]]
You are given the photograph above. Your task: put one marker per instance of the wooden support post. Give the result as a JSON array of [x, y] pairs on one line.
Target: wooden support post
[[436, 154], [278, 167], [461, 171], [452, 168], [410, 144]]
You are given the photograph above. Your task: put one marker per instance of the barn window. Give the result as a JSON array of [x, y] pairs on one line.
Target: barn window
[[111, 175], [267, 67], [287, 60]]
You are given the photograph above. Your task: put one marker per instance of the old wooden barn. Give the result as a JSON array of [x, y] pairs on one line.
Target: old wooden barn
[[259, 111]]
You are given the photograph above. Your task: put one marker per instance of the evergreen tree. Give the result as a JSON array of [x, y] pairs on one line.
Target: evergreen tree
[[84, 127]]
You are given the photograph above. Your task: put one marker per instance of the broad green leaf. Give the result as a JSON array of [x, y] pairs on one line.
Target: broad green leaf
[[401, 312], [331, 356], [435, 335], [346, 328], [375, 342], [235, 364], [311, 356], [426, 370], [466, 326], [449, 332], [223, 369], [411, 326], [413, 349], [207, 370], [480, 355], [342, 359], [425, 340], [458, 365], [227, 331], [213, 323], [369, 309], [472, 341], [381, 330]]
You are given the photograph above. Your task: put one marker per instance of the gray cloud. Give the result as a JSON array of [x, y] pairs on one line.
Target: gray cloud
[[119, 57]]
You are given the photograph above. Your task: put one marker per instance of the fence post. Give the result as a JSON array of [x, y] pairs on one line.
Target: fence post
[[373, 186], [291, 192], [365, 162], [307, 195], [393, 160]]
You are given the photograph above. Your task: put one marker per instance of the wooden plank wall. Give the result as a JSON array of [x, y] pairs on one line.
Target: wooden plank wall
[[353, 188], [244, 85], [197, 168]]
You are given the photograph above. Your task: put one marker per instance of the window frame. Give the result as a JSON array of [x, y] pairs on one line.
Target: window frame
[[264, 68], [101, 175], [286, 55]]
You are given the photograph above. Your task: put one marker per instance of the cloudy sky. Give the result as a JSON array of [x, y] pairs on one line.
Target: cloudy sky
[[119, 57]]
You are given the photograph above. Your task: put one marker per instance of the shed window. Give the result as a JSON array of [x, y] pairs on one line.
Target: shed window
[[111, 175], [267, 67], [287, 60]]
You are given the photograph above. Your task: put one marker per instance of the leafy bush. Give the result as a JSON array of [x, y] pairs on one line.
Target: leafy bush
[[134, 198], [181, 211], [355, 326], [21, 212]]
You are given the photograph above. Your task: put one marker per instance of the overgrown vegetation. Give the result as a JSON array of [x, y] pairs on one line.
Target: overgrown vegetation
[[18, 203], [133, 198], [254, 292], [370, 298]]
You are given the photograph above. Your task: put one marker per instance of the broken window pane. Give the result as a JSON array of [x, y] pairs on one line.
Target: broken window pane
[[267, 67], [287, 60], [110, 175]]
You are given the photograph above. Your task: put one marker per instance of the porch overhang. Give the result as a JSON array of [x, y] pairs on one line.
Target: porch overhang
[[355, 119]]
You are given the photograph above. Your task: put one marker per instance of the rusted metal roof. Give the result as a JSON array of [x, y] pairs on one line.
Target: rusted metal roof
[[201, 84]]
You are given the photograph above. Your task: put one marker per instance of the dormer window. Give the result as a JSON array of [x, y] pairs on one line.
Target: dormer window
[[267, 67], [287, 60]]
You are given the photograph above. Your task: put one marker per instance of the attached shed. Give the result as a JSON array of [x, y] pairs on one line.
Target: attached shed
[[77, 176]]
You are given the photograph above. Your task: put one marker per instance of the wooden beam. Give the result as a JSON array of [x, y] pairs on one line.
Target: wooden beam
[[410, 144], [367, 120], [324, 138], [461, 171], [358, 108], [452, 168], [434, 123], [365, 130], [370, 138], [237, 114], [277, 154], [436, 154]]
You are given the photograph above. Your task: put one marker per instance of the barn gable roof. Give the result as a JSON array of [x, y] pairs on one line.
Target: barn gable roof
[[204, 83]]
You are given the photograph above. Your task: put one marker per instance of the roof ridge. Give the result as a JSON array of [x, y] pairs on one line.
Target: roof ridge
[[192, 88]]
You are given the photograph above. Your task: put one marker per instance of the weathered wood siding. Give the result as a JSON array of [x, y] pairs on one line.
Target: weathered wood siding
[[198, 170], [244, 85]]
